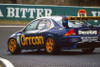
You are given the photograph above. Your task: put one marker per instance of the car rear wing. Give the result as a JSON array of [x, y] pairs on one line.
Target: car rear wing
[[73, 18], [84, 18]]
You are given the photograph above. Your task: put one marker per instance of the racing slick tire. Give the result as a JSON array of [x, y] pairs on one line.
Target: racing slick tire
[[13, 47], [50, 46], [88, 50]]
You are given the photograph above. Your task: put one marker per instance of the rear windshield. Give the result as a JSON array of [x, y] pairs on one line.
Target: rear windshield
[[75, 23]]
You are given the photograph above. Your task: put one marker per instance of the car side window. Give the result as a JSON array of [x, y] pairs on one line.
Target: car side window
[[44, 24], [32, 26], [48, 24]]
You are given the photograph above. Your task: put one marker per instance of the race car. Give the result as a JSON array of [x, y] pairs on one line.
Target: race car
[[56, 33]]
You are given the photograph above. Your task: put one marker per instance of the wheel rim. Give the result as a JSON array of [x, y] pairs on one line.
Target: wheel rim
[[12, 45], [49, 45]]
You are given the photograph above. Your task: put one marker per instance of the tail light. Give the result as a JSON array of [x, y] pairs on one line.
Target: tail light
[[70, 32]]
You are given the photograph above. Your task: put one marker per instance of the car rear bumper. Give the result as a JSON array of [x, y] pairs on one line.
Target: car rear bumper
[[88, 44], [76, 42]]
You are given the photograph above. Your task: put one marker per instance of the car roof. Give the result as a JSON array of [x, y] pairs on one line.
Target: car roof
[[56, 18]]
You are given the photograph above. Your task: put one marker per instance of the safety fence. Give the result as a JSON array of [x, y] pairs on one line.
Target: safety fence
[[30, 12]]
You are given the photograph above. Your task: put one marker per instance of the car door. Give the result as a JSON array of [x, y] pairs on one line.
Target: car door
[[44, 27], [34, 34], [30, 37]]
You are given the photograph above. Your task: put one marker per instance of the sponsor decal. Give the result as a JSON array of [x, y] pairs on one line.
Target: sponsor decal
[[1, 14], [26, 12], [74, 40], [81, 13], [35, 40], [95, 13], [81, 32], [15, 12], [89, 39]]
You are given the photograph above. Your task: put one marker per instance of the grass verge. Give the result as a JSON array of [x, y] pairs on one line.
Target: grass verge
[[0, 65], [17, 22]]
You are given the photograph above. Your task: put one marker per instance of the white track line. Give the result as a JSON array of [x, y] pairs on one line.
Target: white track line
[[6, 62], [12, 26]]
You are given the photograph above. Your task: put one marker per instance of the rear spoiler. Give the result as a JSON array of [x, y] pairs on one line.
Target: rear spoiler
[[84, 18]]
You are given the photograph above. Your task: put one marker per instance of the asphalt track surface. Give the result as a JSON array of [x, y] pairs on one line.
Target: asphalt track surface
[[73, 58]]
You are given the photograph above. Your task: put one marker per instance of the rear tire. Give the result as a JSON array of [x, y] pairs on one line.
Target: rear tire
[[88, 50], [13, 47], [50, 46]]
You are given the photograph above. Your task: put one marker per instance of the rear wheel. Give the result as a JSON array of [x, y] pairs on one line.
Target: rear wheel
[[50, 46], [88, 50], [13, 47]]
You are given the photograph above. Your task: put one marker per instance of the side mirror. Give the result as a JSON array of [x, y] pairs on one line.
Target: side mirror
[[65, 22]]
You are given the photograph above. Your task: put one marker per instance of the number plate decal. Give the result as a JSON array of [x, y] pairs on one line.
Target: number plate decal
[[89, 39]]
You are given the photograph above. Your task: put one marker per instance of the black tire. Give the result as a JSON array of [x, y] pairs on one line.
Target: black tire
[[51, 47], [88, 50], [13, 47]]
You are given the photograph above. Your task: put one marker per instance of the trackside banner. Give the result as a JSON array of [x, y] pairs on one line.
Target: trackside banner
[[30, 12]]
